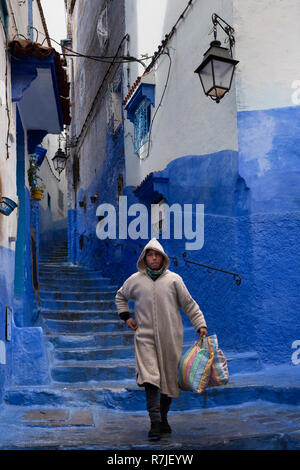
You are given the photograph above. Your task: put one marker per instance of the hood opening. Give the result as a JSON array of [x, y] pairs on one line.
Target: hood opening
[[153, 244]]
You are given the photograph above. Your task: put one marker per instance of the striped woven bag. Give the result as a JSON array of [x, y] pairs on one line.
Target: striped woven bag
[[219, 374], [195, 368]]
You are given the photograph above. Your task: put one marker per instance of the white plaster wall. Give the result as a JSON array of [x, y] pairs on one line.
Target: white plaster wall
[[19, 18], [187, 123], [53, 181], [17, 24], [8, 225], [267, 46]]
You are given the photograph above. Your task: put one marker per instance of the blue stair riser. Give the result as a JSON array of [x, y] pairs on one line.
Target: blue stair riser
[[47, 295], [51, 274], [89, 341], [75, 283], [63, 278], [68, 374], [84, 289], [126, 352], [79, 315], [58, 249], [91, 326], [78, 304], [134, 400]]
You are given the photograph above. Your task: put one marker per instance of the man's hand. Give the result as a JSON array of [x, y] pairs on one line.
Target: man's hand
[[131, 324], [203, 332]]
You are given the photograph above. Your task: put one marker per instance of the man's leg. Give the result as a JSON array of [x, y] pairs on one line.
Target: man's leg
[[165, 403], [153, 407]]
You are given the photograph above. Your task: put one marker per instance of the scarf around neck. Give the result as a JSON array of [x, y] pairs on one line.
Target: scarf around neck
[[154, 273]]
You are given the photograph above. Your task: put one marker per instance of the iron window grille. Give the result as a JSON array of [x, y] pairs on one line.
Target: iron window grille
[[142, 119]]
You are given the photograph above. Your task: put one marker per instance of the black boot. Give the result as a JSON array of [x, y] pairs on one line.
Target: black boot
[[154, 433], [165, 428], [165, 402]]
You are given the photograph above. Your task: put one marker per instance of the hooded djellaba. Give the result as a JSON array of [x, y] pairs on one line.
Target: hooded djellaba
[[159, 336]]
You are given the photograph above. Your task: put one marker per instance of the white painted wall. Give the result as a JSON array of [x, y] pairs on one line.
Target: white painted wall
[[8, 225], [188, 123], [18, 20], [54, 182], [267, 46]]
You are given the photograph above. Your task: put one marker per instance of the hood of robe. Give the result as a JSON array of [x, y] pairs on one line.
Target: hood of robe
[[153, 245]]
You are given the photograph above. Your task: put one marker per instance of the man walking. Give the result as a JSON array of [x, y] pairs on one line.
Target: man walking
[[157, 294]]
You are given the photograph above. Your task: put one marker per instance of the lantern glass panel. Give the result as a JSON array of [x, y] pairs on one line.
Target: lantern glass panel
[[60, 163], [206, 77], [223, 72]]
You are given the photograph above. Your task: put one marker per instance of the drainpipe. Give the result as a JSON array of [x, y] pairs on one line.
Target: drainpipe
[[30, 20]]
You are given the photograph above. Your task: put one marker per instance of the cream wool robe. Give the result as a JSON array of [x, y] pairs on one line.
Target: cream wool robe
[[159, 336]]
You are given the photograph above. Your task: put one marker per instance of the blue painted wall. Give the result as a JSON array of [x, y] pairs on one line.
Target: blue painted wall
[[269, 151], [83, 242], [261, 314], [25, 298], [6, 300]]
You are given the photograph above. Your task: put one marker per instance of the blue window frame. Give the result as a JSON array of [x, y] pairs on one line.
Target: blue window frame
[[4, 14], [142, 119], [139, 112]]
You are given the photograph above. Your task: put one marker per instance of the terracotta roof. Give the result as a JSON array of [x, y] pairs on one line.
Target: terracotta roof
[[26, 48], [134, 86]]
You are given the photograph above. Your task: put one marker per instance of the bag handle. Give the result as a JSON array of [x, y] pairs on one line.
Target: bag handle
[[210, 349]]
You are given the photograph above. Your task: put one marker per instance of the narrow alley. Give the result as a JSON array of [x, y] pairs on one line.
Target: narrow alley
[[125, 121]]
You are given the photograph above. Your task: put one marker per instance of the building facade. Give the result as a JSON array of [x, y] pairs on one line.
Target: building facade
[[169, 143], [34, 103], [97, 162]]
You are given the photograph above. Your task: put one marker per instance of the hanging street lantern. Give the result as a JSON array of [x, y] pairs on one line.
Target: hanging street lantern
[[59, 160], [217, 68]]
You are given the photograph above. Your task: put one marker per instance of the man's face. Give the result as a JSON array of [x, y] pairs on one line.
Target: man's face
[[154, 259]]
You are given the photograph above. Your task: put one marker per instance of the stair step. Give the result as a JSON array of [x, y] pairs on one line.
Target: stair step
[[77, 275], [96, 280], [80, 289], [95, 354], [76, 315], [86, 340], [78, 304], [78, 284], [84, 326], [243, 362], [62, 295], [127, 396], [85, 372]]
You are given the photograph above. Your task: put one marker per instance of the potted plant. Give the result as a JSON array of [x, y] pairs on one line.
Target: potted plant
[[35, 181]]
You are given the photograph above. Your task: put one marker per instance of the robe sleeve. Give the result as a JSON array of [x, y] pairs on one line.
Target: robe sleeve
[[122, 298], [189, 306]]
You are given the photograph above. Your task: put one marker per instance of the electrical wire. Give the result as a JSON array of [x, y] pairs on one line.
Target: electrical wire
[[99, 90], [168, 36], [104, 59]]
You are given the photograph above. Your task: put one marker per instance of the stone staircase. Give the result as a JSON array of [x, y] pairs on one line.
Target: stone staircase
[[87, 342], [91, 351]]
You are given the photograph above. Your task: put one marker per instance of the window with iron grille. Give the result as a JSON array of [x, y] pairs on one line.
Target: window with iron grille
[[142, 120]]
